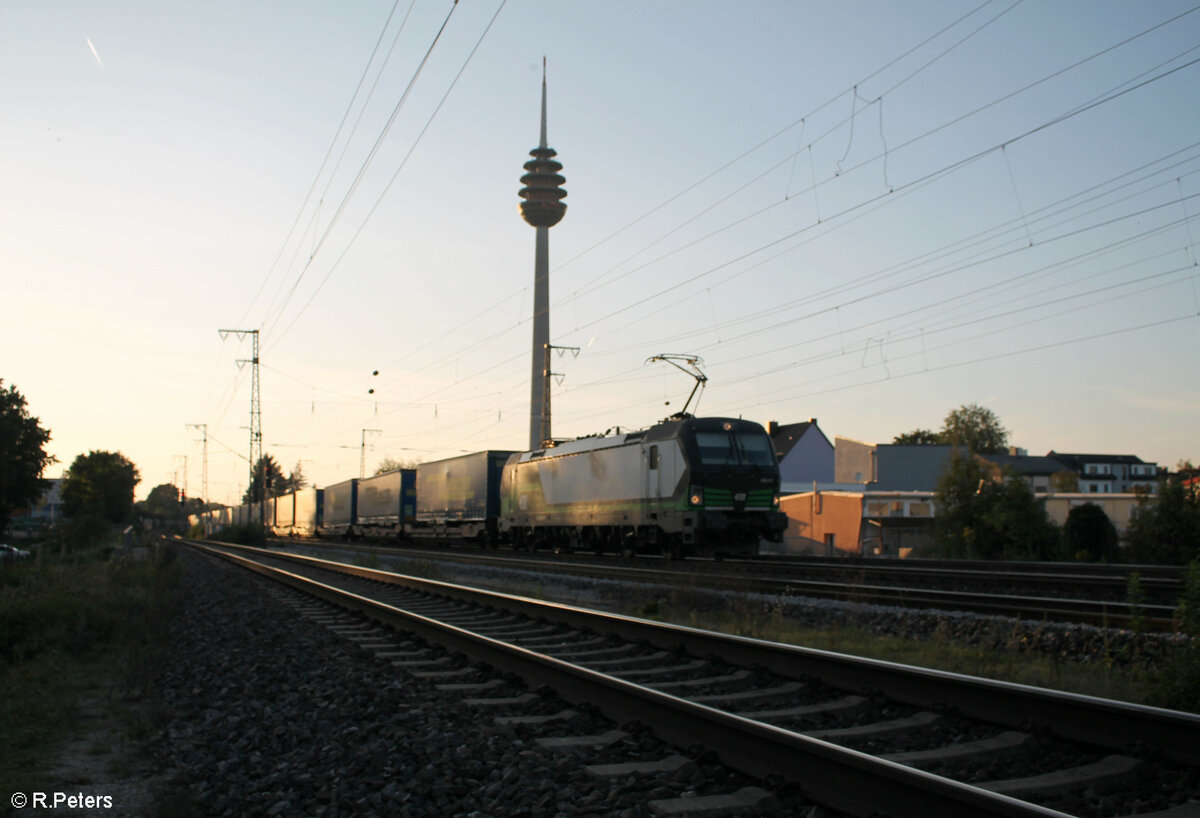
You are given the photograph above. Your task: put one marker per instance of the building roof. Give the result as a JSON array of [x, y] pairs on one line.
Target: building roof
[[784, 438], [1084, 459], [1024, 464]]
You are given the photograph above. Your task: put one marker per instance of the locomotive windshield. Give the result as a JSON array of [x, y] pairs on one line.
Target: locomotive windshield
[[735, 449]]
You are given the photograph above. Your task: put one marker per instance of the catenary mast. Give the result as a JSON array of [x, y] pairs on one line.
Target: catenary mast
[[542, 208]]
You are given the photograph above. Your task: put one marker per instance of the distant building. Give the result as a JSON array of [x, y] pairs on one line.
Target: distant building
[[1119, 507], [1110, 473], [853, 523], [1036, 471], [909, 468], [853, 461], [805, 455], [49, 507], [46, 512]]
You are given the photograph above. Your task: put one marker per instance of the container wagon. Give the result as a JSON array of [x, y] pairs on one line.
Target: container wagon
[[460, 497], [340, 508], [386, 505]]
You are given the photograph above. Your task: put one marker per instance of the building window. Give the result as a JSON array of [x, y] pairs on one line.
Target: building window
[[831, 543]]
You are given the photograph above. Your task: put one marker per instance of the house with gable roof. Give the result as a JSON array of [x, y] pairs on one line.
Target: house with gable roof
[[805, 455]]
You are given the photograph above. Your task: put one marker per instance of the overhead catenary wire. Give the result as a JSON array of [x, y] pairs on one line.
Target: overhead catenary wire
[[494, 375], [278, 313]]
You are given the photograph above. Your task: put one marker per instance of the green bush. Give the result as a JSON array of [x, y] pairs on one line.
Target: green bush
[[1177, 684]]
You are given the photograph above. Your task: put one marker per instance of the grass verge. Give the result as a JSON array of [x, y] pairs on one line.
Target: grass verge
[[1137, 683], [81, 635]]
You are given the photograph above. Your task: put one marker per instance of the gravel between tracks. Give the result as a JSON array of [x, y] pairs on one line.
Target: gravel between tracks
[[1068, 641], [272, 715]]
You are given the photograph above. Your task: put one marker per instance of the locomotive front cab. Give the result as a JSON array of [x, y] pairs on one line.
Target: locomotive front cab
[[733, 484]]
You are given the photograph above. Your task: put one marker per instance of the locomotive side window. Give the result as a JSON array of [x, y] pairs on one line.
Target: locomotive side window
[[654, 457], [756, 449]]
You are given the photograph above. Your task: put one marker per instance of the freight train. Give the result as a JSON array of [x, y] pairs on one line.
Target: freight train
[[684, 486]]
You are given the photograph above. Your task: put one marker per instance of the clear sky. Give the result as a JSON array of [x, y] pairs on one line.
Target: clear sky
[[869, 213]]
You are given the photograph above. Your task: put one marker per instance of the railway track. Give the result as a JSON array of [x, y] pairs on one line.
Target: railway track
[[859, 736], [1014, 594]]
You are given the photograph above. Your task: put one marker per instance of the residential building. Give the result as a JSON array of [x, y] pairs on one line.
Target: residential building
[[805, 455], [1110, 473], [1037, 471]]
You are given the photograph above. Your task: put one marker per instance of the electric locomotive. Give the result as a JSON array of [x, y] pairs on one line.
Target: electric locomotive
[[687, 485]]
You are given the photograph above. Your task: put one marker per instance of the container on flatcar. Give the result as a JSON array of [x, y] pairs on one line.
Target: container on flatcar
[[285, 515], [340, 510], [386, 504], [460, 496], [307, 515]]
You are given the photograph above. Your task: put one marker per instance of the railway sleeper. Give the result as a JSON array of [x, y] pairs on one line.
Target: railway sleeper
[[879, 729], [538, 721], [720, 699], [1108, 773], [686, 667], [574, 742], [683, 684], [745, 801], [1007, 742], [842, 705], [674, 763], [591, 652], [615, 664]]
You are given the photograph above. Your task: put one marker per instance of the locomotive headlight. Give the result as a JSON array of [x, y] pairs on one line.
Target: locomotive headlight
[[696, 496]]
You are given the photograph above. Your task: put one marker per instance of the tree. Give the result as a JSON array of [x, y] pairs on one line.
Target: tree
[[23, 455], [1064, 481], [294, 481], [917, 437], [982, 514], [976, 428], [1089, 535], [266, 472], [162, 503], [1165, 527], [390, 463], [971, 426], [99, 486]]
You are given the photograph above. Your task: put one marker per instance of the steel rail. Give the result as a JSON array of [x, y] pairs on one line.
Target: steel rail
[[837, 777], [1092, 612], [1103, 722]]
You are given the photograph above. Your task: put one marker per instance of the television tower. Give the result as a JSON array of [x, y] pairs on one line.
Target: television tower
[[542, 208]]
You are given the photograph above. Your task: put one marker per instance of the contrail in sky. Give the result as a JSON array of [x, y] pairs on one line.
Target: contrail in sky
[[95, 53]]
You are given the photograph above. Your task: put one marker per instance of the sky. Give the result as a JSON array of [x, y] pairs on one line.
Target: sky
[[868, 213]]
